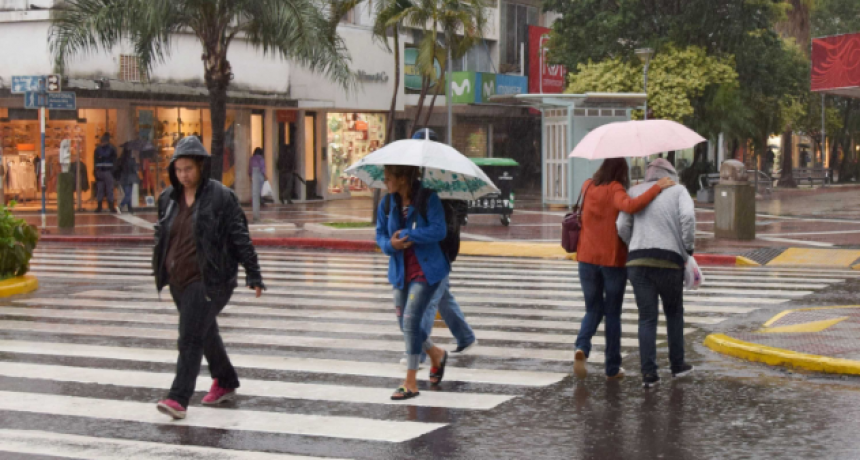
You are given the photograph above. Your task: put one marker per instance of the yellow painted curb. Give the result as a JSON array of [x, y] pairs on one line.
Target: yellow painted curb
[[742, 261], [806, 257], [749, 351], [509, 249], [20, 285]]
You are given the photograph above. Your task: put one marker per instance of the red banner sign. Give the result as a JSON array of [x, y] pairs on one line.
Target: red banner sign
[[543, 78], [286, 116], [836, 62]]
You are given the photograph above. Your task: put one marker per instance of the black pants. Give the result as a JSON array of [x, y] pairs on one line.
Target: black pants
[[286, 181], [198, 337], [650, 285]]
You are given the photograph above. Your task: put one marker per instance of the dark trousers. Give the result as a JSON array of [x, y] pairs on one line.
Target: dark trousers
[[603, 288], [104, 186], [287, 183], [651, 285], [198, 337]]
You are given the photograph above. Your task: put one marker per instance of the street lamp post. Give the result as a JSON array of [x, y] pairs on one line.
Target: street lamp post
[[644, 54]]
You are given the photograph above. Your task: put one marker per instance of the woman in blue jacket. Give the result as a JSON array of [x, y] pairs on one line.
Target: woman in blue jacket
[[410, 234]]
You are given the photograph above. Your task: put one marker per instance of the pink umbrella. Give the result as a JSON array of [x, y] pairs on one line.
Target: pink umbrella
[[635, 139]]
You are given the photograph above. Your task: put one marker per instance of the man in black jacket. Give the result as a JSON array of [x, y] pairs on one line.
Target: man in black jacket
[[104, 161], [200, 240]]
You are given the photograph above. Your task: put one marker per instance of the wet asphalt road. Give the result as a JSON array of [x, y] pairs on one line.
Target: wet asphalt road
[[726, 409]]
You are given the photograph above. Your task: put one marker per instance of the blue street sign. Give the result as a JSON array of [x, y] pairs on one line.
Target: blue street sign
[[54, 101], [25, 83], [33, 100], [65, 100]]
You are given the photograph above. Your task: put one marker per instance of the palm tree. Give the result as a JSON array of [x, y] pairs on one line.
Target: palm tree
[[387, 22], [460, 22], [298, 30]]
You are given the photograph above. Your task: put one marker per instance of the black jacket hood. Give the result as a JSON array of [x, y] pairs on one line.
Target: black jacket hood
[[190, 147]]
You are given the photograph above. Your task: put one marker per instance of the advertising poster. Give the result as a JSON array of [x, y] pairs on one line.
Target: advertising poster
[[543, 78]]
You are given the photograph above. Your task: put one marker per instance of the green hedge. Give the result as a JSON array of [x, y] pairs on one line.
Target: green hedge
[[17, 241]]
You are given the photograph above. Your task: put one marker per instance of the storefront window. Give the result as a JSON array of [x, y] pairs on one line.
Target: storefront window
[[163, 127], [471, 139], [351, 137], [20, 144]]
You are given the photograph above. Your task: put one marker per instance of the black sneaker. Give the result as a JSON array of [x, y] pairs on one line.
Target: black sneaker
[[686, 369], [650, 381], [463, 350]]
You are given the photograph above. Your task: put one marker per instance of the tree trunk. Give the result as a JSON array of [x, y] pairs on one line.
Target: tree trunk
[[786, 179], [389, 128], [671, 157], [425, 86], [218, 117], [217, 73], [432, 102], [846, 170], [797, 25]]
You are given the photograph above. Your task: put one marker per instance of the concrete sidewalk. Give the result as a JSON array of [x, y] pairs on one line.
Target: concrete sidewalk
[[820, 339], [800, 228]]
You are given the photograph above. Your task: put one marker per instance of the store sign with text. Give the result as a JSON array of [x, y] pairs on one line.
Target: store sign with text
[[543, 77], [478, 87]]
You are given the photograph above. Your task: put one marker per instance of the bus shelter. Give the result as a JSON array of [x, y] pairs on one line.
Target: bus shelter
[[565, 120]]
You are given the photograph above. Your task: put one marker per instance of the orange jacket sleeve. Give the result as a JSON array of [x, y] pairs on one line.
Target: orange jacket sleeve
[[624, 203]]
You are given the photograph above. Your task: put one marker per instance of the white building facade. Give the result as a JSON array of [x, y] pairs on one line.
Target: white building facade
[[271, 102]]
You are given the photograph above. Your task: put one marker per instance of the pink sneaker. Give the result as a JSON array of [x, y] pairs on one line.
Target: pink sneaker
[[171, 408], [218, 395]]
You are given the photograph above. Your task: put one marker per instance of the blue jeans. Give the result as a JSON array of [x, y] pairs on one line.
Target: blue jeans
[[667, 284], [603, 288], [451, 314], [126, 198], [411, 304]]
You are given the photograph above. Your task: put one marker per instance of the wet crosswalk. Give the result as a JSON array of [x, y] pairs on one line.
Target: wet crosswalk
[[318, 354]]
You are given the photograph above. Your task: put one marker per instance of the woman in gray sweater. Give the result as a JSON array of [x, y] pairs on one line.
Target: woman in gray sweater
[[660, 240]]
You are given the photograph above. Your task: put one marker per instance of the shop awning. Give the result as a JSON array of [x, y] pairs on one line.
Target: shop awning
[[579, 101], [836, 65]]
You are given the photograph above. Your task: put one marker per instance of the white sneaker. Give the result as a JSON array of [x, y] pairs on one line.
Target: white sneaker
[[580, 369]]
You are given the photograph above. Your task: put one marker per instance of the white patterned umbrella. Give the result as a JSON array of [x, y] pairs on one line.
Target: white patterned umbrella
[[450, 173]]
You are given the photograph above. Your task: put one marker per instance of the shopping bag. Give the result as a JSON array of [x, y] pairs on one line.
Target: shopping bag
[[693, 277], [267, 190]]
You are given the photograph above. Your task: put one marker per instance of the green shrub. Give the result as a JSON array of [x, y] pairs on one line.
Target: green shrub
[[17, 241]]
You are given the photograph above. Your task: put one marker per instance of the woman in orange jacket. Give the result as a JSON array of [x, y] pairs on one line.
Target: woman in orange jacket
[[602, 257]]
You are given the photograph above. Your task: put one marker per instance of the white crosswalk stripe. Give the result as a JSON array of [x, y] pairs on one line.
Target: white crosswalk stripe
[[324, 335], [32, 442]]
